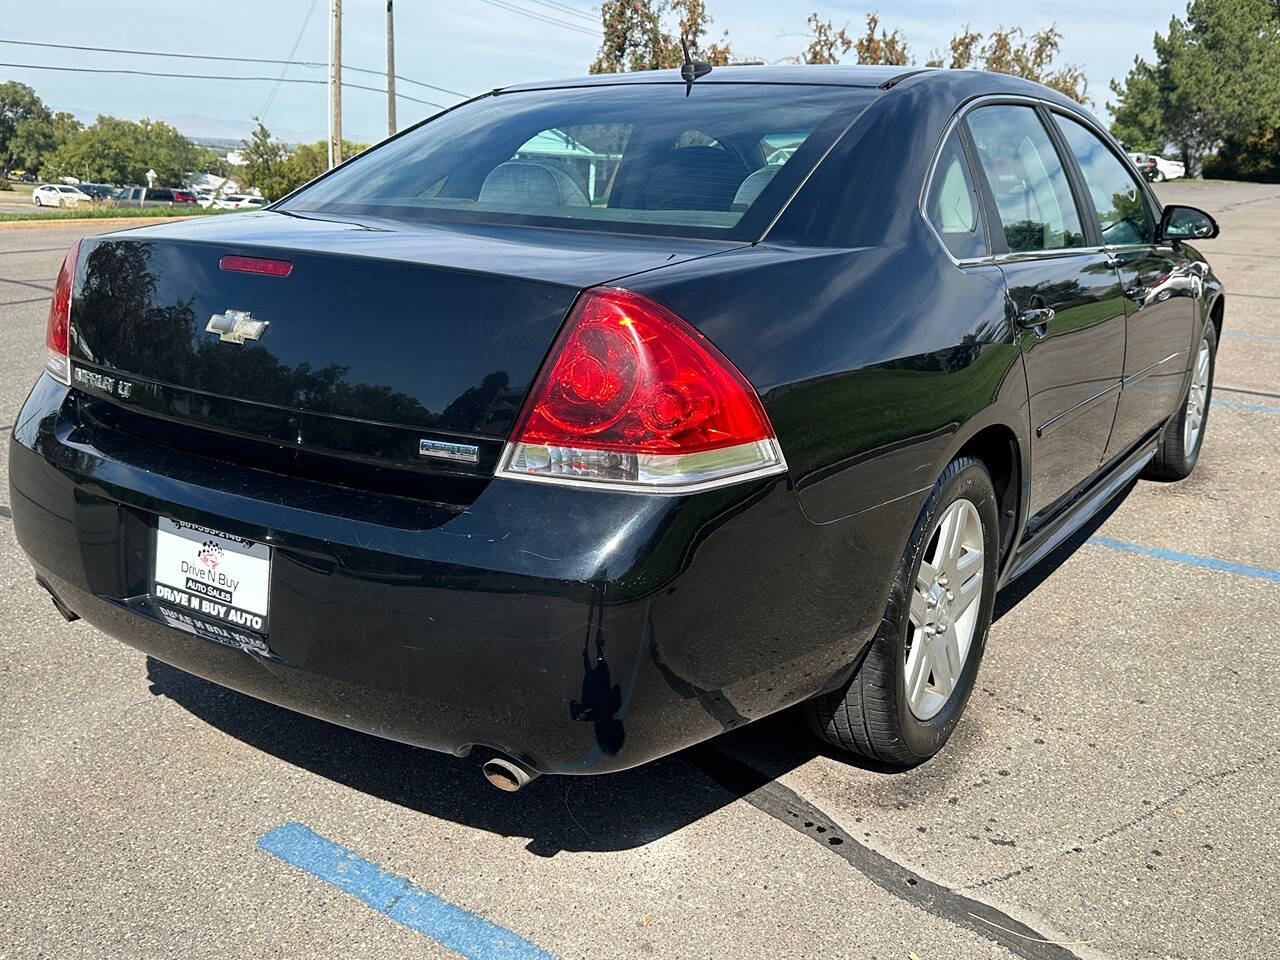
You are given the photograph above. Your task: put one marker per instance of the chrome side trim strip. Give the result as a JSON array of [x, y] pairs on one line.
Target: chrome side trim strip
[[1054, 422], [1147, 370]]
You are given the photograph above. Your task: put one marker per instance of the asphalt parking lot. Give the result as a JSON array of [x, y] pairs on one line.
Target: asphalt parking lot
[[1110, 792]]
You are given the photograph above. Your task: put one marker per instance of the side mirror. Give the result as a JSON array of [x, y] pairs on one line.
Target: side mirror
[[1186, 223]]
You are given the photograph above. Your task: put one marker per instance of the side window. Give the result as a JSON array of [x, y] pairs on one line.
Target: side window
[[1122, 208], [1032, 193], [952, 205]]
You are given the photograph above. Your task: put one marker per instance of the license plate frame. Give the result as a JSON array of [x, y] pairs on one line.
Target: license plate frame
[[211, 575]]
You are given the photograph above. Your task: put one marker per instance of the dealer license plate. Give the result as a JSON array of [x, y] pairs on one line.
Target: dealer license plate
[[212, 575]]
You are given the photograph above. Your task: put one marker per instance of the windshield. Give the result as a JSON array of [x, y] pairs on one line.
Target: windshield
[[633, 158]]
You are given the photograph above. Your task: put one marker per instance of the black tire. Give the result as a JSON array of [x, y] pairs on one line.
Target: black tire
[[870, 715], [1173, 461]]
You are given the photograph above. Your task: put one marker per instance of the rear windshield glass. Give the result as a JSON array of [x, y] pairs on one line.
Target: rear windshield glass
[[633, 158]]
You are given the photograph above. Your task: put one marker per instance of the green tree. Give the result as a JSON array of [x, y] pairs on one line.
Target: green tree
[[276, 171], [37, 138], [826, 43], [18, 104], [265, 163], [1215, 82], [883, 48], [1011, 51], [113, 150], [641, 35]]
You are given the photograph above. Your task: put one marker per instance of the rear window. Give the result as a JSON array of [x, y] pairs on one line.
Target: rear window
[[635, 158]]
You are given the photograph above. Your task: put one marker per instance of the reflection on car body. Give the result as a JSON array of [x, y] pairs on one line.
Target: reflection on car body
[[589, 420]]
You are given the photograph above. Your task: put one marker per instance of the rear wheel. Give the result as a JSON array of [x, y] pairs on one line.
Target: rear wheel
[[905, 698], [1179, 449]]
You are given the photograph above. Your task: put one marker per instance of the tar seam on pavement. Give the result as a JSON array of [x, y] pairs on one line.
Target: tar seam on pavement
[[32, 250], [27, 283], [395, 897], [5, 512], [1248, 390], [15, 303], [786, 806]]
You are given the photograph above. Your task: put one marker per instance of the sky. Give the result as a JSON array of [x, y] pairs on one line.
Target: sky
[[464, 46]]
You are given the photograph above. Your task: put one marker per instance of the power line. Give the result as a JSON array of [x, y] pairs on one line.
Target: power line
[[565, 8], [210, 56], [544, 18], [271, 97], [213, 76]]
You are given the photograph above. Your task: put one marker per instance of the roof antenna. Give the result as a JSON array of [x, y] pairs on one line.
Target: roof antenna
[[692, 69]]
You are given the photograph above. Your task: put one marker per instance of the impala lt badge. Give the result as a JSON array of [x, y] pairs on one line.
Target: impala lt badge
[[236, 326]]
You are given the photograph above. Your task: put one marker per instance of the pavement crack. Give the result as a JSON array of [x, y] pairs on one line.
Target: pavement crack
[[789, 808], [1155, 807]]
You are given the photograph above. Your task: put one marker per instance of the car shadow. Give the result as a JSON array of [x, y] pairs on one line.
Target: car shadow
[[618, 811], [1020, 589]]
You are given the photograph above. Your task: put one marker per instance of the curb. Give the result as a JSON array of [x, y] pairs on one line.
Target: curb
[[86, 221]]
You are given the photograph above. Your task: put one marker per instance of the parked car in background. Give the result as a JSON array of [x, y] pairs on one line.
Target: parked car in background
[[154, 197], [98, 191], [657, 453], [1166, 169], [58, 195], [1146, 165], [239, 201]]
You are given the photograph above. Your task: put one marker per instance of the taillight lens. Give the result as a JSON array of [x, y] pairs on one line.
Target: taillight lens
[[57, 337], [633, 397]]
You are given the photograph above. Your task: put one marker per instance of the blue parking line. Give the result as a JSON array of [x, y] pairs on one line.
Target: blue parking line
[[1209, 563], [1260, 337], [1237, 405], [395, 897]]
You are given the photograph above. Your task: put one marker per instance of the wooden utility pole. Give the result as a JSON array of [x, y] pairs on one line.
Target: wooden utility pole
[[391, 71], [335, 83]]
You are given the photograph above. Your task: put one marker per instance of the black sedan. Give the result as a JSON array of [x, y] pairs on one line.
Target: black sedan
[[582, 422]]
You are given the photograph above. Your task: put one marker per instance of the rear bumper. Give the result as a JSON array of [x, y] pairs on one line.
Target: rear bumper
[[577, 631]]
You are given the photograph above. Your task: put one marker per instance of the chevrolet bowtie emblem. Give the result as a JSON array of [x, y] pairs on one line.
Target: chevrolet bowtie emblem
[[236, 326]]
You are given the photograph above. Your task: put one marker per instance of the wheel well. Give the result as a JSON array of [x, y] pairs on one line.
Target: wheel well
[[997, 448], [1215, 314]]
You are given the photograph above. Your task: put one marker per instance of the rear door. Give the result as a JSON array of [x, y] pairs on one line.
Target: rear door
[[1161, 291], [1065, 297]]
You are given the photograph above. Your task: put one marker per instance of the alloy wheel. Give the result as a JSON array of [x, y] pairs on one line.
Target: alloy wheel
[[944, 609], [1197, 401]]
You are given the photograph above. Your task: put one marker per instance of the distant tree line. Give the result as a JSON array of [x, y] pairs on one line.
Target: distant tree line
[[1212, 92], [109, 150], [646, 34], [1211, 95]]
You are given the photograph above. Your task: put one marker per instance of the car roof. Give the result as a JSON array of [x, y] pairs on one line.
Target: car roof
[[827, 74]]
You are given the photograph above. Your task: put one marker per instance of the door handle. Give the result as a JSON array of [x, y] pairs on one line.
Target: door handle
[[1035, 317]]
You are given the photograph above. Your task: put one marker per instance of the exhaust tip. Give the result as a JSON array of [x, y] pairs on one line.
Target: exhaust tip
[[507, 775]]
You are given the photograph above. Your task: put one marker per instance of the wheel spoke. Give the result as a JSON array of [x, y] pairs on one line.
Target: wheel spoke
[[917, 669], [919, 608], [967, 566], [927, 575], [955, 662], [965, 595]]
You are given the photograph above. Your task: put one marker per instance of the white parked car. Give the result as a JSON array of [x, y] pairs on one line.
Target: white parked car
[[58, 195], [1167, 169], [239, 201]]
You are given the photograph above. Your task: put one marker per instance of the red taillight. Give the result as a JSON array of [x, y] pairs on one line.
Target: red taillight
[[57, 335], [258, 265], [632, 394]]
